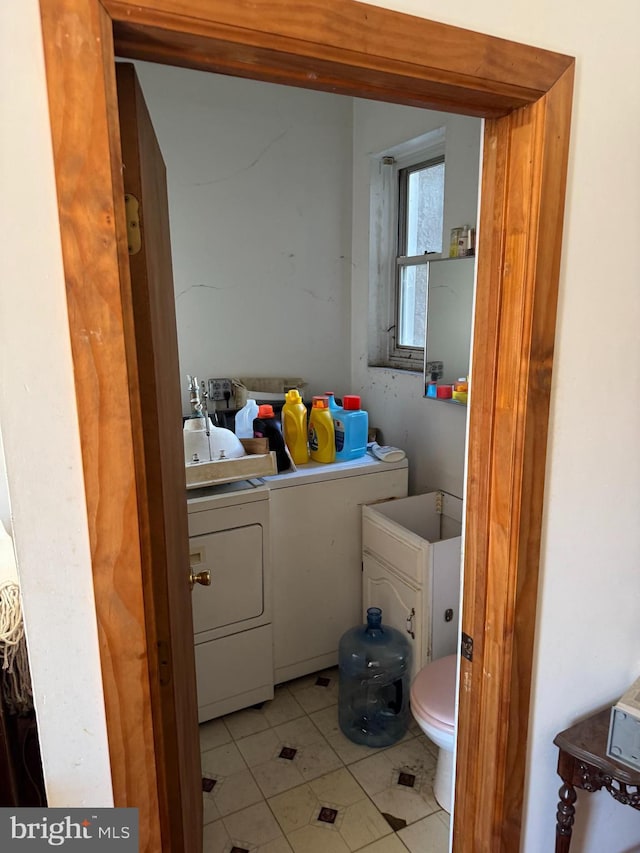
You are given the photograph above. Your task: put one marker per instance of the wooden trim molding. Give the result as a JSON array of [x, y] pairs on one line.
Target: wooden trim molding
[[524, 173], [350, 48], [80, 71], [337, 46]]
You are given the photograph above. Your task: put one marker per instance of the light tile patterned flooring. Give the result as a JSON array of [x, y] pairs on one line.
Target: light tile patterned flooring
[[283, 778]]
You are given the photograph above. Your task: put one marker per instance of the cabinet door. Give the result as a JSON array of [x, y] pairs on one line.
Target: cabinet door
[[401, 605], [445, 607], [236, 595]]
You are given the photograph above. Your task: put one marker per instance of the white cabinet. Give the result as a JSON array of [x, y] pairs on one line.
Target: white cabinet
[[412, 570], [316, 535], [229, 537]]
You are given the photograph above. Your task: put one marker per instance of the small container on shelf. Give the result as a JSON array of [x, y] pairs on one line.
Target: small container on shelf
[[460, 390], [431, 389], [456, 234]]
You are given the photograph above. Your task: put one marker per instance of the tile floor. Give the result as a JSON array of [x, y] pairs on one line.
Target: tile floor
[[282, 778]]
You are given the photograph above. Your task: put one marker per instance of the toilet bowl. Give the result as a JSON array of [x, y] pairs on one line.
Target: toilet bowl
[[433, 699]]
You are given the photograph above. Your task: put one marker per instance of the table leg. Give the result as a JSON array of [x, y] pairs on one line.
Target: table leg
[[565, 817]]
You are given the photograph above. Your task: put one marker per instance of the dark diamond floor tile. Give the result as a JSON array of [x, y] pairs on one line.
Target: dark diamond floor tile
[[327, 815], [288, 752], [208, 784], [395, 823], [321, 681], [406, 779]]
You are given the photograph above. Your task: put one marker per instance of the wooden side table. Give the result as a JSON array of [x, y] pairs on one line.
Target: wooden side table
[[583, 763]]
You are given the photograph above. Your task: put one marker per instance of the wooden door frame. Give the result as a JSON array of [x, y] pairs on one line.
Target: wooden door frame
[[341, 46]]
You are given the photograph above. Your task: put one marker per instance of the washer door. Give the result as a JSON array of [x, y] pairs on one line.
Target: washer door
[[234, 558]]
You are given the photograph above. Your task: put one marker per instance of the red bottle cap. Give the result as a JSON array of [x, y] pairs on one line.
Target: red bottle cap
[[444, 391], [265, 411], [351, 401]]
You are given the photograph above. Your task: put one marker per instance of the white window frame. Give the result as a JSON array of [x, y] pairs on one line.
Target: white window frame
[[403, 353], [383, 247]]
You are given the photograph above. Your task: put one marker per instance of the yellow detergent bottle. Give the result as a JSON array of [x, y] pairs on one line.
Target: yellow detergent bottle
[[322, 442], [294, 427]]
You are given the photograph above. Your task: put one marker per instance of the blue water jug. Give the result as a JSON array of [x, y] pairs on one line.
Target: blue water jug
[[374, 682]]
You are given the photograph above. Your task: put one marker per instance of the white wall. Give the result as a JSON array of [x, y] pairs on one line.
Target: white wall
[[259, 180], [260, 198], [431, 432], [38, 420], [587, 649], [5, 506]]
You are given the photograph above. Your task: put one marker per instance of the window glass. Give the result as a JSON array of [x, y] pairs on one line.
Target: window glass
[[420, 226], [425, 206], [413, 305]]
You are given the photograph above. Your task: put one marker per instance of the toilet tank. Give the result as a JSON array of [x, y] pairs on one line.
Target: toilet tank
[[411, 564]]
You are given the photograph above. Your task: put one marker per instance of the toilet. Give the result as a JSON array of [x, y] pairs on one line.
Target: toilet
[[433, 699]]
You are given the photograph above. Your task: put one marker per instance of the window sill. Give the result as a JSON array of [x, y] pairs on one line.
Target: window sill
[[395, 368], [405, 367], [446, 400]]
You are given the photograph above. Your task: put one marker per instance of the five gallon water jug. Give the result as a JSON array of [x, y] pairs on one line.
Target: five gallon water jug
[[351, 425], [374, 682]]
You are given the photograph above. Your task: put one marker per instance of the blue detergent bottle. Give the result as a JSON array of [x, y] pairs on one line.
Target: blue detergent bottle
[[351, 426], [374, 682], [333, 405]]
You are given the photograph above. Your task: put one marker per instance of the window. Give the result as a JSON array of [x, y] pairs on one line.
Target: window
[[406, 219], [420, 226]]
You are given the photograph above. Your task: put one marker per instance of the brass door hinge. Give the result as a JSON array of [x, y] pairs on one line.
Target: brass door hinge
[[466, 646]]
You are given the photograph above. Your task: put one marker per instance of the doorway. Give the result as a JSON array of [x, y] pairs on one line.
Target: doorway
[[525, 95], [264, 185], [270, 221]]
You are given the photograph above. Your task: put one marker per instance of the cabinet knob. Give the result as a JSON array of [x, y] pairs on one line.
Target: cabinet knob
[[203, 578]]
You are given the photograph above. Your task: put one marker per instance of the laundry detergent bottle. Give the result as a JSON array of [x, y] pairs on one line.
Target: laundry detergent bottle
[[351, 424], [295, 427], [333, 405], [266, 425], [322, 446]]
